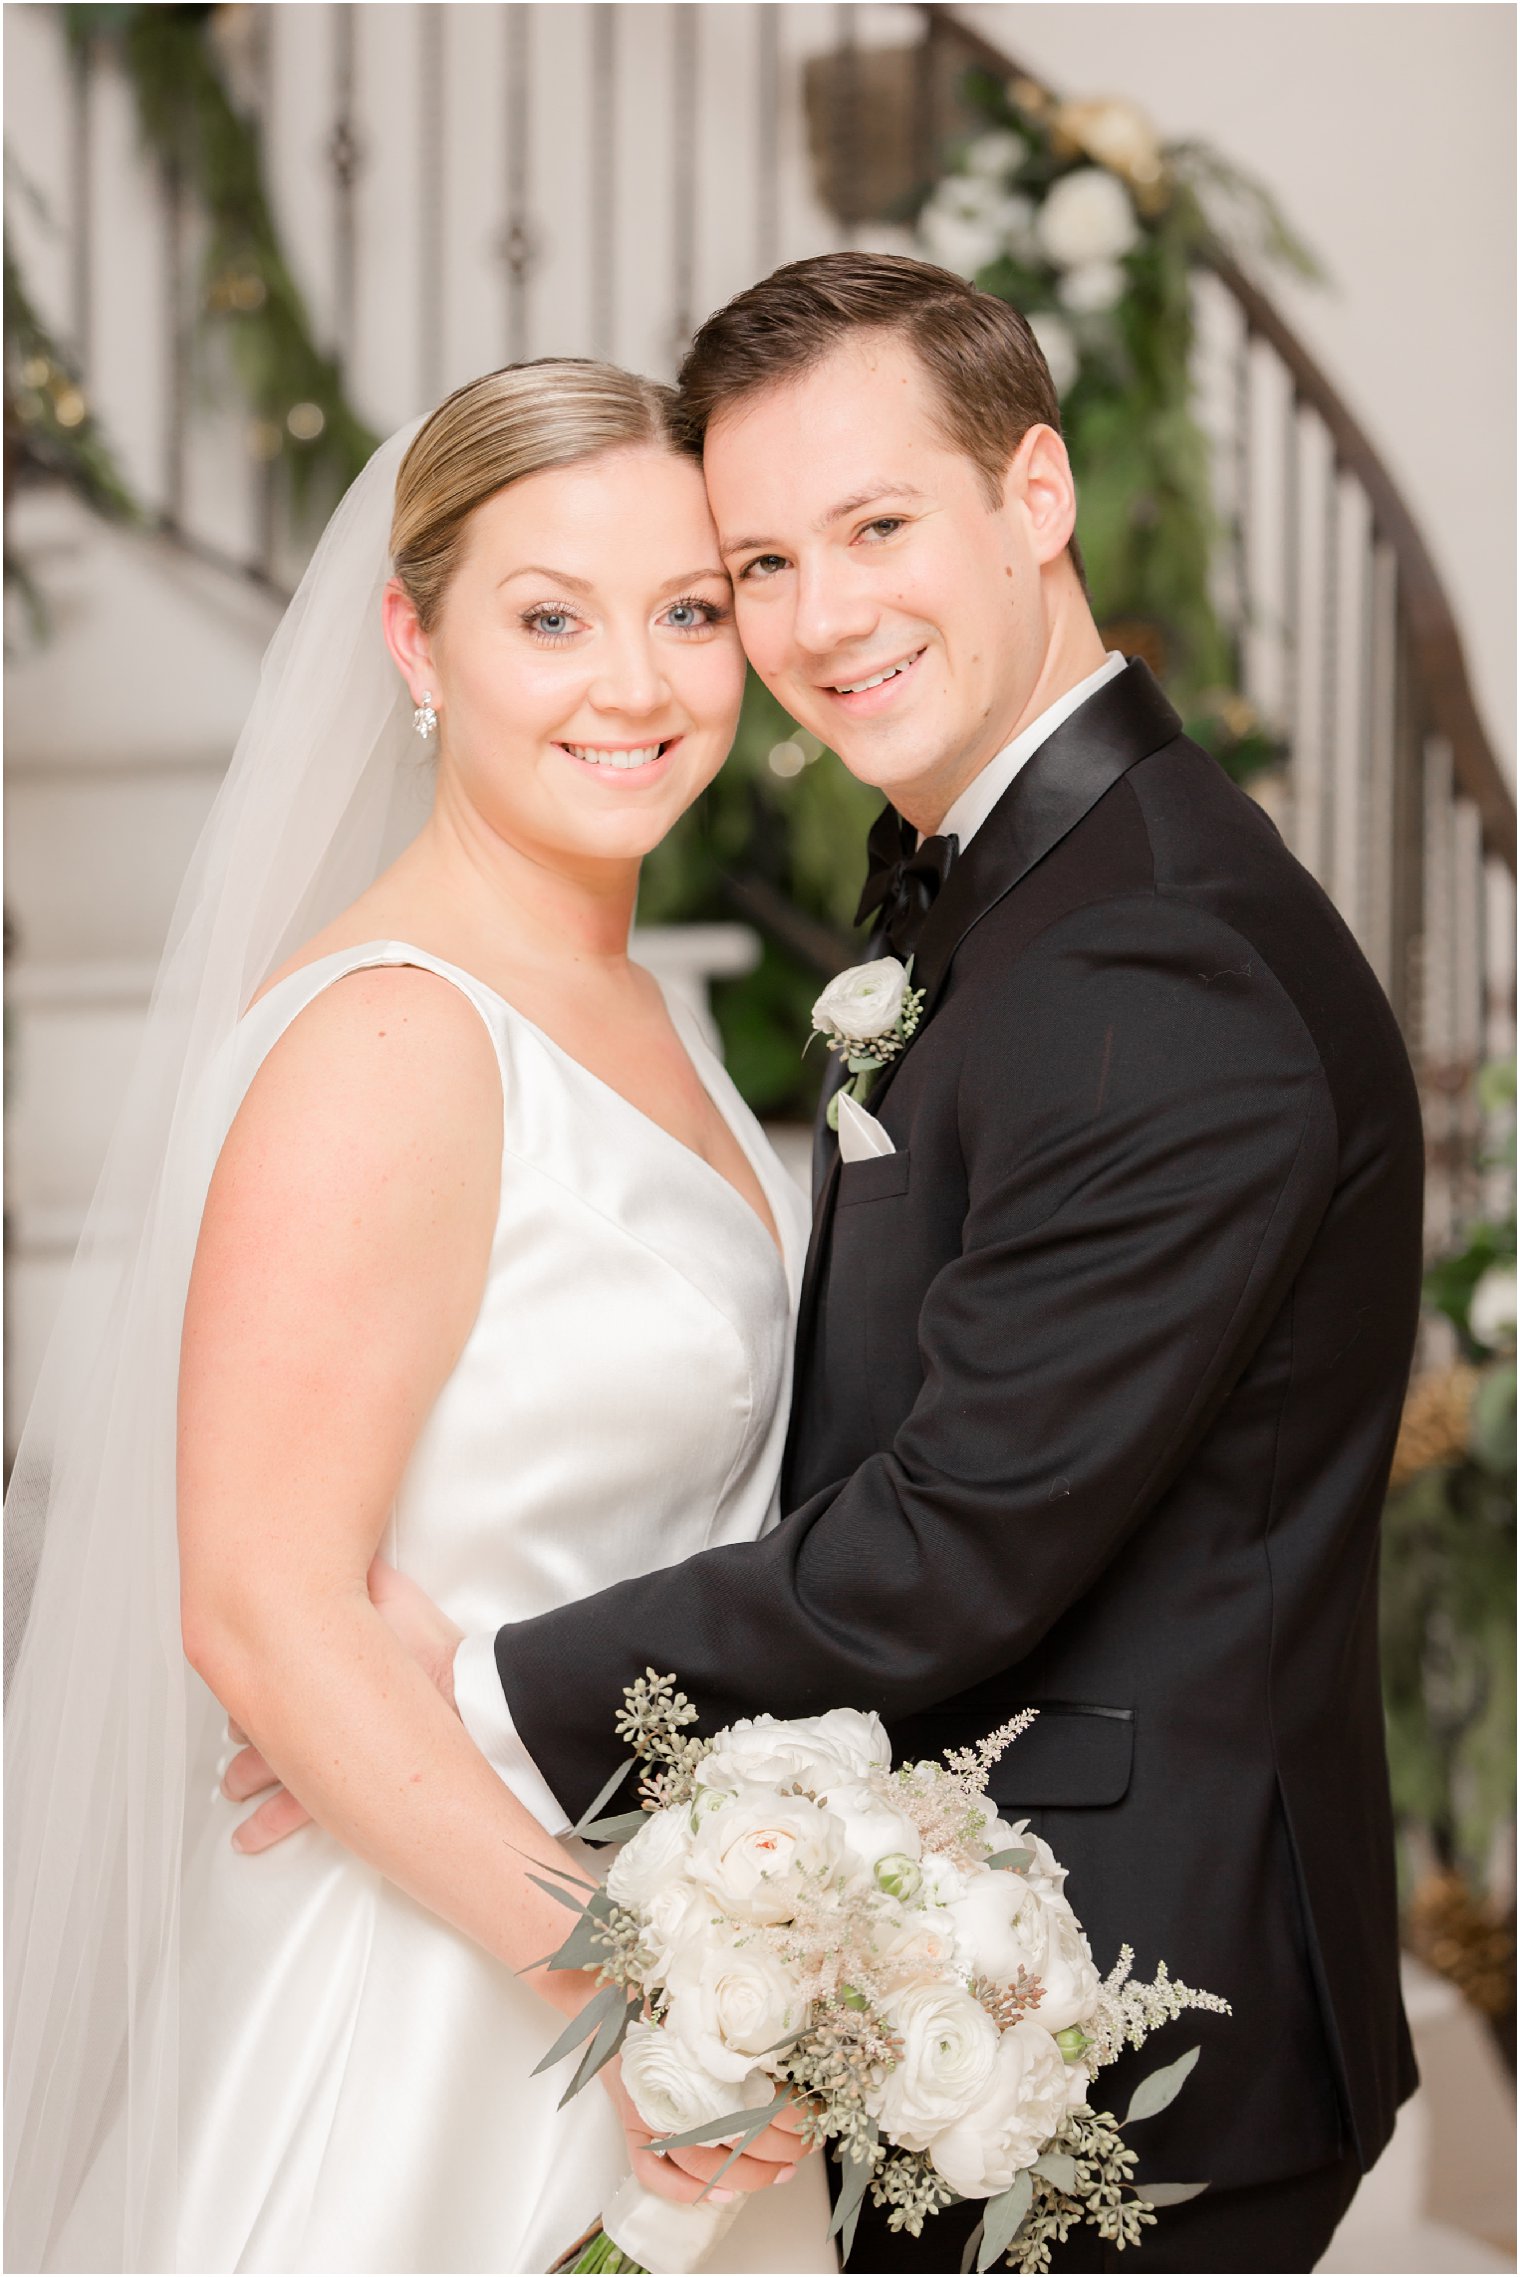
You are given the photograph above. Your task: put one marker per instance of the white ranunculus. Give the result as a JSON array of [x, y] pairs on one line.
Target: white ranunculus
[[1087, 216], [943, 1879], [949, 2051], [672, 2091], [1097, 285], [996, 154], [1054, 339], [1004, 1925], [756, 1853], [730, 2004], [651, 1859], [862, 1004], [870, 1824], [1491, 1315], [811, 1752], [1023, 2104]]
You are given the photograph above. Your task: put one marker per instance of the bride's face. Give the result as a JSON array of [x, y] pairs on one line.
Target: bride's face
[[583, 664]]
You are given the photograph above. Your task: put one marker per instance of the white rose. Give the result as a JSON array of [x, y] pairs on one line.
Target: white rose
[[672, 1916], [672, 2092], [1097, 285], [921, 1948], [1005, 1925], [1491, 1315], [1022, 2105], [755, 1852], [650, 1859], [862, 1003], [969, 220], [730, 2004], [871, 1827], [1087, 216], [1053, 338], [996, 154], [949, 2051]]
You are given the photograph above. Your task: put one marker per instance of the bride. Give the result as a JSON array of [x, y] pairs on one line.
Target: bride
[[460, 1247]]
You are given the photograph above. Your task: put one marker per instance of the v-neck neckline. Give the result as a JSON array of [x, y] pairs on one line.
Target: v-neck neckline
[[371, 953]]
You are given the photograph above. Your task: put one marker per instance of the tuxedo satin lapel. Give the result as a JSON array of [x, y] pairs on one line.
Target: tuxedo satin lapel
[[1121, 724]]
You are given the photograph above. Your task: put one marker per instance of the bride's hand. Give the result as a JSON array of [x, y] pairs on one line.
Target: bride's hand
[[771, 2158], [429, 1636]]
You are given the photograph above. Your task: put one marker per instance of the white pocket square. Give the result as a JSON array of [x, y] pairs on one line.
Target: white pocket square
[[860, 1135]]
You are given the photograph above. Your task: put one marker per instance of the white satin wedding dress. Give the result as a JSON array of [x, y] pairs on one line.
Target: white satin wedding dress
[[356, 2089]]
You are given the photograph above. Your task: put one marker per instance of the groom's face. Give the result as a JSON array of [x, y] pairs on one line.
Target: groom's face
[[891, 606]]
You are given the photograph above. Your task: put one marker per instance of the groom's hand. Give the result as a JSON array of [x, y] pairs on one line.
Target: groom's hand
[[771, 2158], [429, 1636]]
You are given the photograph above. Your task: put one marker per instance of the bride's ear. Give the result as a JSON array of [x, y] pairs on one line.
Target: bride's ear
[[407, 641]]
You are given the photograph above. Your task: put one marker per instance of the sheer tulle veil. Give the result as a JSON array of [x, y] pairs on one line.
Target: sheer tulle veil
[[105, 1724]]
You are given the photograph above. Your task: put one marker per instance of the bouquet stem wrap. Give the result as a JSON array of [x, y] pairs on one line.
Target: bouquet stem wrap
[[658, 2234]]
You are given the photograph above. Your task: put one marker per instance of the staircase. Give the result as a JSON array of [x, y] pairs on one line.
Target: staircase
[[461, 185]]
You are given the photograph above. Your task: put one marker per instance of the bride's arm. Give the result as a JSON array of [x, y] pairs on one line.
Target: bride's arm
[[340, 1266]]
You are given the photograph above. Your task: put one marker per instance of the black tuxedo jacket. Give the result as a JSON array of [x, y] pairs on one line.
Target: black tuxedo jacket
[[1098, 1379]]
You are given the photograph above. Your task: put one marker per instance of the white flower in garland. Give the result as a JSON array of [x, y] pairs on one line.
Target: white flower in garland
[[1087, 217], [866, 1015], [1057, 346], [996, 154], [969, 220], [1096, 286]]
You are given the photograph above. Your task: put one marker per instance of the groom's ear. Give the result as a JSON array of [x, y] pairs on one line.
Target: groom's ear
[[1038, 485], [407, 641]]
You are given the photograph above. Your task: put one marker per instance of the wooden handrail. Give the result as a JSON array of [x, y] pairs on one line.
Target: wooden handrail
[[1441, 668]]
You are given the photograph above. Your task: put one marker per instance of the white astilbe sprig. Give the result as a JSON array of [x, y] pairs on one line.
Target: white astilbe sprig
[[971, 1767], [1128, 2012], [951, 1822]]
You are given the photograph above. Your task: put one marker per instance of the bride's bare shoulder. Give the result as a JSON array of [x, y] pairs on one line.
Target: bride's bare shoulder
[[389, 1066]]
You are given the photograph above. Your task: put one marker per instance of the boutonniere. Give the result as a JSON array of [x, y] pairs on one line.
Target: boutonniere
[[867, 1015]]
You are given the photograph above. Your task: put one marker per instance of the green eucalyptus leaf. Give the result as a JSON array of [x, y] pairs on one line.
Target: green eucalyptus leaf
[[1162, 2088], [1014, 1860], [1169, 2193], [1058, 2168], [1001, 2220], [582, 2026]]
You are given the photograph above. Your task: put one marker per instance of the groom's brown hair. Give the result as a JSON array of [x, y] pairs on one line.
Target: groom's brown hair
[[990, 382]]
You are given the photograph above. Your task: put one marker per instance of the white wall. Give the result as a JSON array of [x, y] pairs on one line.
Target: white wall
[[1387, 132]]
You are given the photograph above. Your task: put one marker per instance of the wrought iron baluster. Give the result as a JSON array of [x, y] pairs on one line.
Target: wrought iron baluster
[[603, 175], [1330, 677], [1291, 602], [265, 538], [82, 250], [517, 242], [431, 300], [686, 34], [177, 319], [844, 124], [1241, 520], [343, 156], [767, 135]]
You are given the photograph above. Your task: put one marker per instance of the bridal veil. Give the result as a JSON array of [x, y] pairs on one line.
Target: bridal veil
[[105, 1722]]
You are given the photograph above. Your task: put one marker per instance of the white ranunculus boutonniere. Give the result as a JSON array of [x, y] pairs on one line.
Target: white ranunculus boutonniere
[[866, 1015]]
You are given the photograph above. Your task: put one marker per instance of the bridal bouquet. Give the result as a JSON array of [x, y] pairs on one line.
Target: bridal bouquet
[[790, 1919]]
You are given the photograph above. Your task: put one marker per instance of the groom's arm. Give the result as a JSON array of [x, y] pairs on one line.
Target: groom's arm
[[1149, 1145]]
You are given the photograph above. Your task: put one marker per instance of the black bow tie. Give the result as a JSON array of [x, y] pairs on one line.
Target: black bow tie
[[904, 878]]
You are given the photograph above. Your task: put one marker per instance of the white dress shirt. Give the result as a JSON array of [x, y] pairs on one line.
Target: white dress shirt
[[478, 1693]]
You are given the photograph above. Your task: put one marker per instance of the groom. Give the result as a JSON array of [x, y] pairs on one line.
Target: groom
[[1099, 1369]]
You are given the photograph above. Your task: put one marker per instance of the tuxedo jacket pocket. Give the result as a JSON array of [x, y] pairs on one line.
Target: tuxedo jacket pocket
[[1073, 1755], [872, 1179]]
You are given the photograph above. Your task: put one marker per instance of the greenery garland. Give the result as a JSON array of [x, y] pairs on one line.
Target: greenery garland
[[303, 422]]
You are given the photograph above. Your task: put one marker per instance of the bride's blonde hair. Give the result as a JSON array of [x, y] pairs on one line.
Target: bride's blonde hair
[[495, 430]]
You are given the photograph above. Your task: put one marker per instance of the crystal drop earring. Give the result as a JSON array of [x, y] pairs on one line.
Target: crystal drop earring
[[424, 718]]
